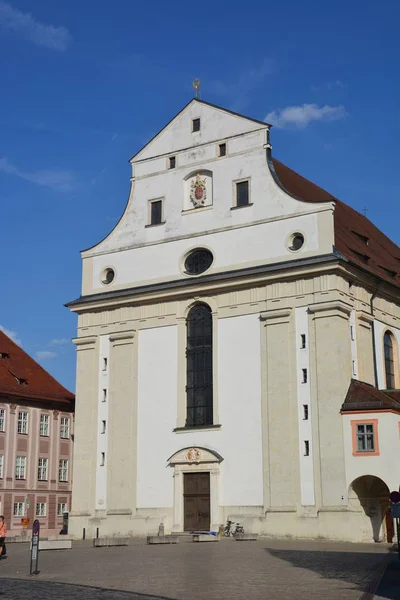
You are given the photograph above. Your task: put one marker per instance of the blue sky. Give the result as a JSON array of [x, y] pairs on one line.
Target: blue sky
[[85, 84]]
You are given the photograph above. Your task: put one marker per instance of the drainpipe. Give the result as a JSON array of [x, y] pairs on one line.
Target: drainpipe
[[371, 303]]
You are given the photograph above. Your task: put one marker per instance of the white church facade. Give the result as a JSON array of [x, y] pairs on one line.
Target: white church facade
[[237, 348]]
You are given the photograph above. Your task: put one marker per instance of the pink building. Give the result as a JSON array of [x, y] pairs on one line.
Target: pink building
[[36, 442]]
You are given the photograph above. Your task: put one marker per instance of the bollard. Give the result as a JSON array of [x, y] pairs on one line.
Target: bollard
[[97, 533], [84, 534]]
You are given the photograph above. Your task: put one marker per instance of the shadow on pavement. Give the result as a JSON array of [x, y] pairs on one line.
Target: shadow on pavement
[[360, 569], [23, 589]]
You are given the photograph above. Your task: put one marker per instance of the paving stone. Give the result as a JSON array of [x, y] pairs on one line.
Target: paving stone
[[265, 569]]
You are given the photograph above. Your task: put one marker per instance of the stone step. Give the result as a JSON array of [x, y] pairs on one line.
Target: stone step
[[55, 545], [204, 537], [162, 539], [246, 537], [110, 541]]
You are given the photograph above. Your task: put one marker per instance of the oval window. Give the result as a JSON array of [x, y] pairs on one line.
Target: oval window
[[296, 242], [108, 276], [198, 261]]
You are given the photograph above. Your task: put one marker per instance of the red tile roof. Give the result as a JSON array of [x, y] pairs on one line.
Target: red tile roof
[[363, 396], [22, 377], [355, 236]]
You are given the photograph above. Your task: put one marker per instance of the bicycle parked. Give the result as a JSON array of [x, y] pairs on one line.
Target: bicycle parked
[[230, 530]]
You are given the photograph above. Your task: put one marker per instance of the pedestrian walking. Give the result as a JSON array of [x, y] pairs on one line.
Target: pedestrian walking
[[3, 534]]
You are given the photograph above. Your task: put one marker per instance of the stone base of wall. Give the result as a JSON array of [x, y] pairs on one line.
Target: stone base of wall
[[329, 524]]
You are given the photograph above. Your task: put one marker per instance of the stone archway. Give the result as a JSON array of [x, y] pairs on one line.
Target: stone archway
[[370, 495]]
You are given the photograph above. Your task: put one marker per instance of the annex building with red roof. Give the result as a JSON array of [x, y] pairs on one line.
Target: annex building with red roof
[[237, 348], [36, 443]]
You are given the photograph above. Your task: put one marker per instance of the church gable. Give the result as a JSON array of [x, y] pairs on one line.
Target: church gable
[[198, 123]]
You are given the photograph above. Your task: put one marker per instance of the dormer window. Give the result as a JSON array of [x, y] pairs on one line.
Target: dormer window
[[195, 125], [4, 355], [171, 162]]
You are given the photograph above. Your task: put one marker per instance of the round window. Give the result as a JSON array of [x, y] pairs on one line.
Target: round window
[[296, 241], [108, 276], [198, 261]]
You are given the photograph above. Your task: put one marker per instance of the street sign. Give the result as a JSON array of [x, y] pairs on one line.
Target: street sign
[[395, 511], [35, 548], [394, 497], [25, 522]]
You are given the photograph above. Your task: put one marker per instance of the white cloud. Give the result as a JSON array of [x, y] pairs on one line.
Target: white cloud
[[59, 342], [56, 179], [301, 116], [55, 38], [11, 334], [45, 355]]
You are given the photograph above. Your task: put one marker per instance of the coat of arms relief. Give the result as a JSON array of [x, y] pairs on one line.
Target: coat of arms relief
[[198, 191]]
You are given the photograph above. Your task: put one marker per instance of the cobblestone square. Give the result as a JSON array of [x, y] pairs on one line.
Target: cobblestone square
[[229, 570]]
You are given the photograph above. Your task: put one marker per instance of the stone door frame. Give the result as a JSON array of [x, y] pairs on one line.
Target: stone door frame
[[195, 460]]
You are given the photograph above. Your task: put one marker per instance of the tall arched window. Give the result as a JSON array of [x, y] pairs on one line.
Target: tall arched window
[[199, 366], [389, 360]]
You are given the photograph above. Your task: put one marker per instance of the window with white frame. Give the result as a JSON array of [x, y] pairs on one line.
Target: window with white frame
[[43, 466], [63, 470], [20, 467], [40, 509], [19, 509], [365, 437], [1, 465], [2, 419], [22, 422], [44, 425], [61, 509], [64, 427]]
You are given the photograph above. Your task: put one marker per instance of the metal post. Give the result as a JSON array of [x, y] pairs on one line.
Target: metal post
[[84, 533], [33, 570], [97, 533]]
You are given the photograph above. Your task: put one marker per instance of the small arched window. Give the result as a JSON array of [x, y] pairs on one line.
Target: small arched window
[[199, 367], [388, 346]]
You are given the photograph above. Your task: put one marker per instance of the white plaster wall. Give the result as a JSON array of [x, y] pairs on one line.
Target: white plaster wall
[[239, 397], [215, 124], [232, 248], [102, 438], [307, 484], [379, 329], [246, 158], [157, 409], [353, 344], [386, 466]]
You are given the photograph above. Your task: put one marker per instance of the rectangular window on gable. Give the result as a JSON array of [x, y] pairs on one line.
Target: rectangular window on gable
[[242, 193], [156, 212], [195, 125], [171, 162], [222, 150]]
